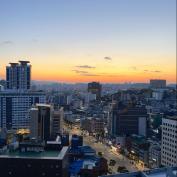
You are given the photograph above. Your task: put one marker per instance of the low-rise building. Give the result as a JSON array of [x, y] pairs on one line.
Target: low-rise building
[[155, 156], [138, 148], [93, 125], [34, 160]]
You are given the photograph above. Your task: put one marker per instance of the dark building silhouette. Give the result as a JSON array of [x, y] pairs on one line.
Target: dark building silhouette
[[40, 121], [157, 83], [35, 164], [95, 88], [127, 120], [18, 76]]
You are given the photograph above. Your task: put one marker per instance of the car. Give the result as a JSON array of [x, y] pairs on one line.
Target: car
[[112, 162], [100, 154], [122, 169]]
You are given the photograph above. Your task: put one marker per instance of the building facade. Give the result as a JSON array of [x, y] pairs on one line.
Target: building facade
[[169, 141], [93, 125], [129, 120], [39, 164], [154, 156], [15, 106], [57, 121], [40, 121]]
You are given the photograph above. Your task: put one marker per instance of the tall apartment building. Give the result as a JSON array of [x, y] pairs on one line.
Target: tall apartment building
[[18, 76], [95, 88], [169, 141], [17, 99], [15, 106]]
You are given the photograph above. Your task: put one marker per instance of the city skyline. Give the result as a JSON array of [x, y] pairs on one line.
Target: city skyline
[[81, 41]]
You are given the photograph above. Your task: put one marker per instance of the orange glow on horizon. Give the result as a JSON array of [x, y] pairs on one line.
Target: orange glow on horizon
[[60, 69], [105, 79], [123, 76]]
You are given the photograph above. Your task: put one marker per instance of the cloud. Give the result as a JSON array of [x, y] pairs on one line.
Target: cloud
[[133, 67], [6, 43], [79, 71], [114, 75], [108, 58], [86, 67], [84, 73], [156, 71], [35, 40], [89, 74]]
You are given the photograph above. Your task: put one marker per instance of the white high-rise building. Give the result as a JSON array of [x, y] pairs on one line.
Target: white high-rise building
[[15, 106], [169, 141]]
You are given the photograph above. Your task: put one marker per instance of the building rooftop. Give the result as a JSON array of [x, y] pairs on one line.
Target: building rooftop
[[164, 172], [23, 62], [43, 105], [21, 93], [13, 64], [161, 172], [53, 155], [171, 117]]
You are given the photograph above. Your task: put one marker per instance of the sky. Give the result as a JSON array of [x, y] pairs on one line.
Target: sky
[[90, 40]]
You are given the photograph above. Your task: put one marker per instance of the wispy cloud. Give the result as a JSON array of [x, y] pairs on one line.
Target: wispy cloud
[[84, 73], [79, 71], [89, 74], [86, 67], [152, 71], [35, 40], [156, 71], [146, 70], [6, 43], [108, 58], [133, 68]]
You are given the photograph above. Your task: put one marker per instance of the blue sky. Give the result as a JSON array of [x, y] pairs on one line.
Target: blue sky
[[65, 32]]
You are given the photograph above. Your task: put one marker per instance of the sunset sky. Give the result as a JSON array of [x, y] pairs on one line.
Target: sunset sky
[[90, 40]]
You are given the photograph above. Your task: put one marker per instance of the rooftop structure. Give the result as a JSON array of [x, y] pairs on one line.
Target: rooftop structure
[[23, 62], [34, 155], [34, 160]]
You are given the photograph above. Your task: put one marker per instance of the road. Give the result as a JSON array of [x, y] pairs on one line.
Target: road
[[109, 154], [106, 150]]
